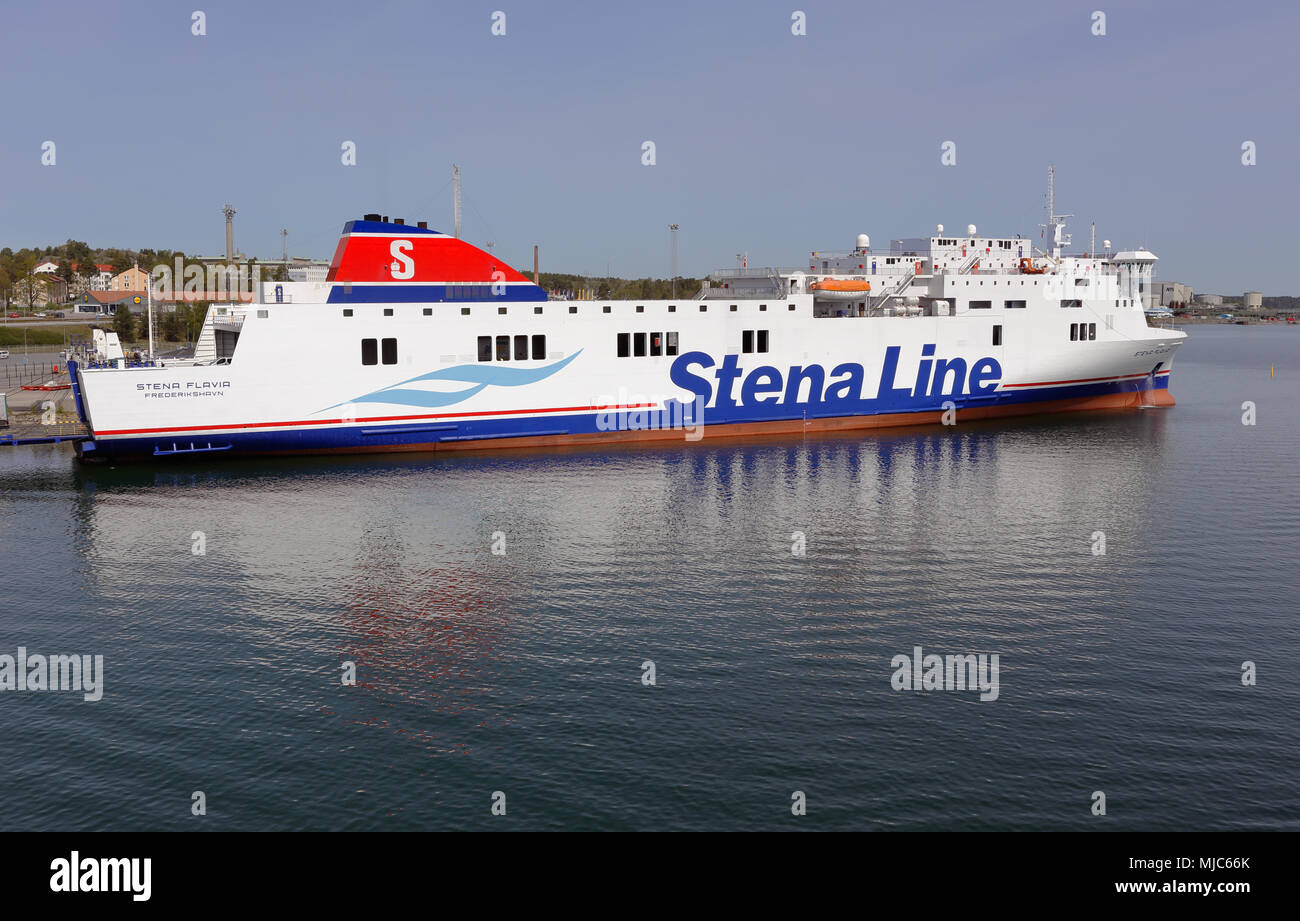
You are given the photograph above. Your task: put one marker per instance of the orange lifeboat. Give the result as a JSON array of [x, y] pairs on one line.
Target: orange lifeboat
[[1027, 267], [840, 289]]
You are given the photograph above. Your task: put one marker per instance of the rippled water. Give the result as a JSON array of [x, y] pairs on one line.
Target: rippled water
[[522, 672]]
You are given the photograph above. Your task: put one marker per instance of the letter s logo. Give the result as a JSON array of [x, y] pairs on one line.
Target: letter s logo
[[403, 266]]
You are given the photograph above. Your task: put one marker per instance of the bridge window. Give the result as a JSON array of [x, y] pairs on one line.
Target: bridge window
[[370, 351], [484, 348], [539, 348], [389, 348]]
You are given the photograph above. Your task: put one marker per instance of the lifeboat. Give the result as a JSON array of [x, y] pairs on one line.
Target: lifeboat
[[840, 289], [1027, 267]]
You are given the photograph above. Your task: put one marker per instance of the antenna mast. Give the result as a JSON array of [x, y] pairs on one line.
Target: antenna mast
[[673, 228], [455, 200]]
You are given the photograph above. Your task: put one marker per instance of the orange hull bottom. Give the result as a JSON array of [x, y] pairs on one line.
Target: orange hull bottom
[[781, 427]]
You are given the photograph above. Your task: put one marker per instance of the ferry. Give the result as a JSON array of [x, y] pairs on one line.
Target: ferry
[[419, 341]]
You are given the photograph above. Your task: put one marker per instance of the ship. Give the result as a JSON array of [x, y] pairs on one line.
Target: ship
[[418, 340]]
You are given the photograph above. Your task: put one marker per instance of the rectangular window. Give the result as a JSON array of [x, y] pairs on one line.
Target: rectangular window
[[1074, 331], [347, 311], [747, 341], [656, 344], [1092, 331], [539, 348], [624, 345], [1071, 302], [670, 343], [503, 348], [428, 311], [638, 344], [388, 311], [521, 348], [981, 305], [672, 308], [640, 308], [573, 308], [605, 309], [370, 351], [389, 351], [762, 340], [537, 310], [1015, 305], [464, 311], [484, 348], [997, 334]]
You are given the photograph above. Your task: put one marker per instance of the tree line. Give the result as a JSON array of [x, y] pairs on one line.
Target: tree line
[[20, 285]]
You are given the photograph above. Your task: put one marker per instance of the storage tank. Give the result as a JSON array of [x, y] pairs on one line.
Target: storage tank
[[1253, 300]]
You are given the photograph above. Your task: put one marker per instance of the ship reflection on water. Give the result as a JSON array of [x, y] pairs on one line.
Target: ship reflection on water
[[388, 563]]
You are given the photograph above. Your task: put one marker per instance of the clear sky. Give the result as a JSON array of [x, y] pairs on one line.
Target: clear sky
[[766, 142]]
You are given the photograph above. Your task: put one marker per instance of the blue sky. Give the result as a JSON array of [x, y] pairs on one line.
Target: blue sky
[[766, 142]]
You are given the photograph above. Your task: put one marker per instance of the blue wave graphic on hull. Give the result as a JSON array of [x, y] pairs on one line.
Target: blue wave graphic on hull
[[481, 376]]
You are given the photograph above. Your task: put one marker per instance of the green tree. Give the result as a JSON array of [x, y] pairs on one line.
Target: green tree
[[124, 324]]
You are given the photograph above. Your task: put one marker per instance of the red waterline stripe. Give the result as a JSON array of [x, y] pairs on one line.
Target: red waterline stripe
[[1084, 380], [265, 425]]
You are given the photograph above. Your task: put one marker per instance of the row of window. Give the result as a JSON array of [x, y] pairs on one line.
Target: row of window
[[988, 305], [372, 348], [573, 308], [504, 351], [749, 338], [1083, 332], [639, 345]]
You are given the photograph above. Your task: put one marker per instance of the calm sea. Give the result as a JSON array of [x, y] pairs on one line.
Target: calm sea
[[524, 672]]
